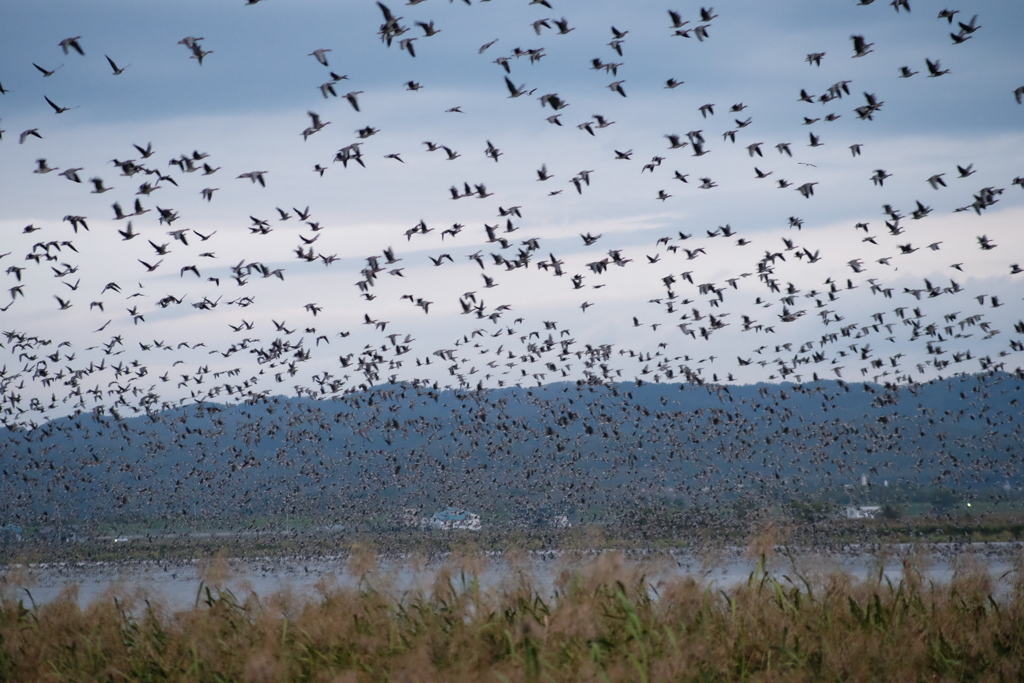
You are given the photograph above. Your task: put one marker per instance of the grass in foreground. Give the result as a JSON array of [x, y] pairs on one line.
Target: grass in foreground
[[605, 622]]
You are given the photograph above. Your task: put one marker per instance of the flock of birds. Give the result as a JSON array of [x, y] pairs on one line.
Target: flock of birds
[[853, 325]]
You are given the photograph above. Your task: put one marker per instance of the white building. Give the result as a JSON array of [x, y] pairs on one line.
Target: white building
[[862, 511], [454, 518], [561, 522]]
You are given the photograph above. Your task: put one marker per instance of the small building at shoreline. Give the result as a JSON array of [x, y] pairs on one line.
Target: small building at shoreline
[[862, 511], [454, 518]]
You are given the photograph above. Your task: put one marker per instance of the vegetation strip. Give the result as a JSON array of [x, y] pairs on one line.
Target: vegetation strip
[[607, 621]]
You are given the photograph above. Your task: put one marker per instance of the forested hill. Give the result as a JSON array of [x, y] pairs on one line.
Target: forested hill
[[564, 446]]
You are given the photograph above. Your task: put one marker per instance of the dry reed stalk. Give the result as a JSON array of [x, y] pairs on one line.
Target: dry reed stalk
[[608, 619]]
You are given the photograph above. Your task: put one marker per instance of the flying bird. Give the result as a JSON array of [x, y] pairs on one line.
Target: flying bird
[[56, 109], [117, 70], [320, 55], [46, 72], [860, 46], [73, 44]]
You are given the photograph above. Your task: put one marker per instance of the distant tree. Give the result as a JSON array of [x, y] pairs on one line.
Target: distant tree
[[808, 512], [744, 507], [891, 511], [943, 501]]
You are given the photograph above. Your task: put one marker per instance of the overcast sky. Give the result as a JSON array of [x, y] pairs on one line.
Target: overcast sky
[[246, 107]]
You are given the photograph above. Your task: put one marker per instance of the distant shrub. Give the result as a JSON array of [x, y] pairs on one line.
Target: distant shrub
[[891, 511]]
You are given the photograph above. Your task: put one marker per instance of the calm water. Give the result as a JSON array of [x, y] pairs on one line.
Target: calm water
[[176, 583]]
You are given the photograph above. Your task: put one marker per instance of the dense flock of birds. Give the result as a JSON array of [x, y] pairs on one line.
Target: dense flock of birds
[[859, 322]]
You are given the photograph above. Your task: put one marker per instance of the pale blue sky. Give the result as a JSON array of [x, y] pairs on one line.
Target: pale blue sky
[[246, 106]]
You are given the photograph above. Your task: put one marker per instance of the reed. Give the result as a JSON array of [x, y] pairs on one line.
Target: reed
[[609, 620]]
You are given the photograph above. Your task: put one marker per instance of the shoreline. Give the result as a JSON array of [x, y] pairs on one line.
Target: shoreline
[[177, 580]]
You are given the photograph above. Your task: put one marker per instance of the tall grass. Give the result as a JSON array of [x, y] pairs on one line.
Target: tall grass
[[607, 621]]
